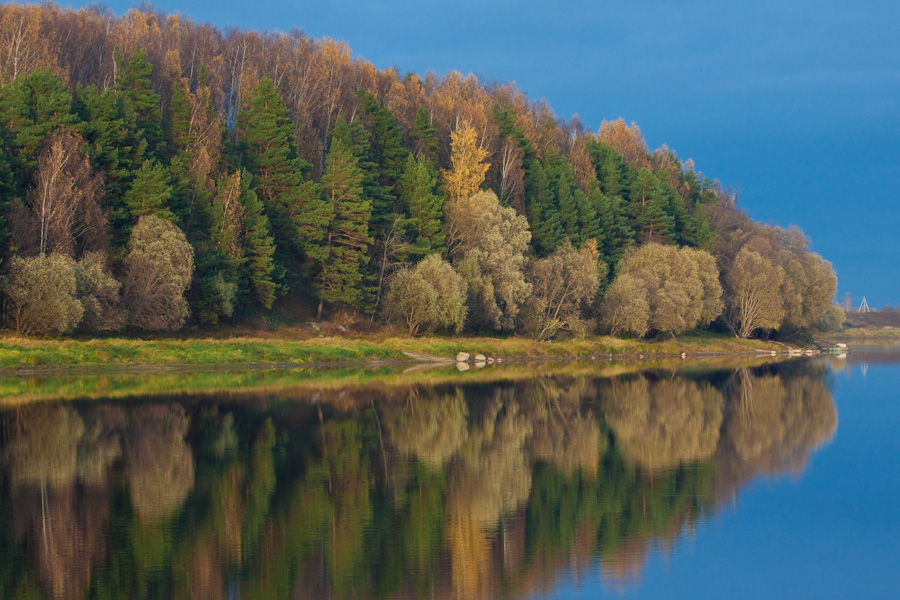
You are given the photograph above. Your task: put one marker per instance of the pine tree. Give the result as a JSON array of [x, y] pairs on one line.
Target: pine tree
[[31, 108], [297, 215], [618, 234], [424, 137], [568, 207], [139, 104], [108, 143], [347, 239], [543, 213], [258, 267], [177, 124], [386, 141], [387, 156], [589, 224], [425, 208], [241, 233], [610, 168], [649, 208], [699, 228], [149, 195]]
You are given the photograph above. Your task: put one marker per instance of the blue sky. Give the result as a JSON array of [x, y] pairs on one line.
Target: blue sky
[[794, 102]]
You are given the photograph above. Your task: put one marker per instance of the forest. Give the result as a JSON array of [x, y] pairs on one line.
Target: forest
[[157, 174]]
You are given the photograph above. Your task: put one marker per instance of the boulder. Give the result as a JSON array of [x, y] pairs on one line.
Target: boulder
[[462, 357], [480, 358]]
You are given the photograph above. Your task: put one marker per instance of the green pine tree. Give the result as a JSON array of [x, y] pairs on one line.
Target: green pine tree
[[618, 234], [425, 208], [543, 213], [139, 104], [177, 124], [589, 223], [610, 168], [568, 205], [108, 143], [345, 255], [258, 274], [297, 215], [32, 107], [649, 208], [149, 194], [424, 137]]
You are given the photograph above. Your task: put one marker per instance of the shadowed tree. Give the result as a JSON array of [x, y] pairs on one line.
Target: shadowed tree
[[64, 201], [158, 270]]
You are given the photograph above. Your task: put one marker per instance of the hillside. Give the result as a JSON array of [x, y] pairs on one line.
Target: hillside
[[157, 173]]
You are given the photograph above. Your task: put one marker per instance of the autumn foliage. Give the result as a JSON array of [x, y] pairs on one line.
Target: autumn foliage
[[302, 180]]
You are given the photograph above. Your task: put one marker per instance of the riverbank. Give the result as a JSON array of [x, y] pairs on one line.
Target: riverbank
[[287, 348]]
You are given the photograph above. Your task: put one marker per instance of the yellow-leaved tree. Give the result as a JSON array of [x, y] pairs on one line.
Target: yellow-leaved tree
[[467, 174]]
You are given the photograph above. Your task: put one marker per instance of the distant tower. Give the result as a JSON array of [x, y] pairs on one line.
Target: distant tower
[[864, 306]]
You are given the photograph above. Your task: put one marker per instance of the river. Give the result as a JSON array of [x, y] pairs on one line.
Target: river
[[676, 479]]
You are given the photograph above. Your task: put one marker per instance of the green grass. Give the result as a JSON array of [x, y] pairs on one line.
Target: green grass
[[266, 384], [17, 352], [279, 348]]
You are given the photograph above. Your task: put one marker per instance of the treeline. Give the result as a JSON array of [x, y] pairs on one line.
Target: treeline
[[156, 172]]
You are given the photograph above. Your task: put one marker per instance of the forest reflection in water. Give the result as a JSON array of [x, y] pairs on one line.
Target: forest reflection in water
[[427, 491]]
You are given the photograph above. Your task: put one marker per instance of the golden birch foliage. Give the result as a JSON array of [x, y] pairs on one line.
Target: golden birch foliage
[[626, 140], [583, 167], [24, 45], [466, 176], [65, 199]]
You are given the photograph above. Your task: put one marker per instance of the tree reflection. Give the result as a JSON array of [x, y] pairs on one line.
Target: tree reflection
[[452, 491], [662, 424]]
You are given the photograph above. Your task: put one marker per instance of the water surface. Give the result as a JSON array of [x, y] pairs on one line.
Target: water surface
[[680, 480]]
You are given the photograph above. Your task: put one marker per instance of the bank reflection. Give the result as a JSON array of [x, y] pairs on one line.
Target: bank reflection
[[453, 491]]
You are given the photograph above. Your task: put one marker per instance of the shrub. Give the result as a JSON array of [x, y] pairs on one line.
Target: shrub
[[679, 287], [488, 244], [429, 296], [43, 293], [98, 292], [158, 270]]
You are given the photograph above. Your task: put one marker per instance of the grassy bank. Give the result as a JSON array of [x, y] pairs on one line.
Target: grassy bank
[[863, 334], [286, 348], [267, 385]]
